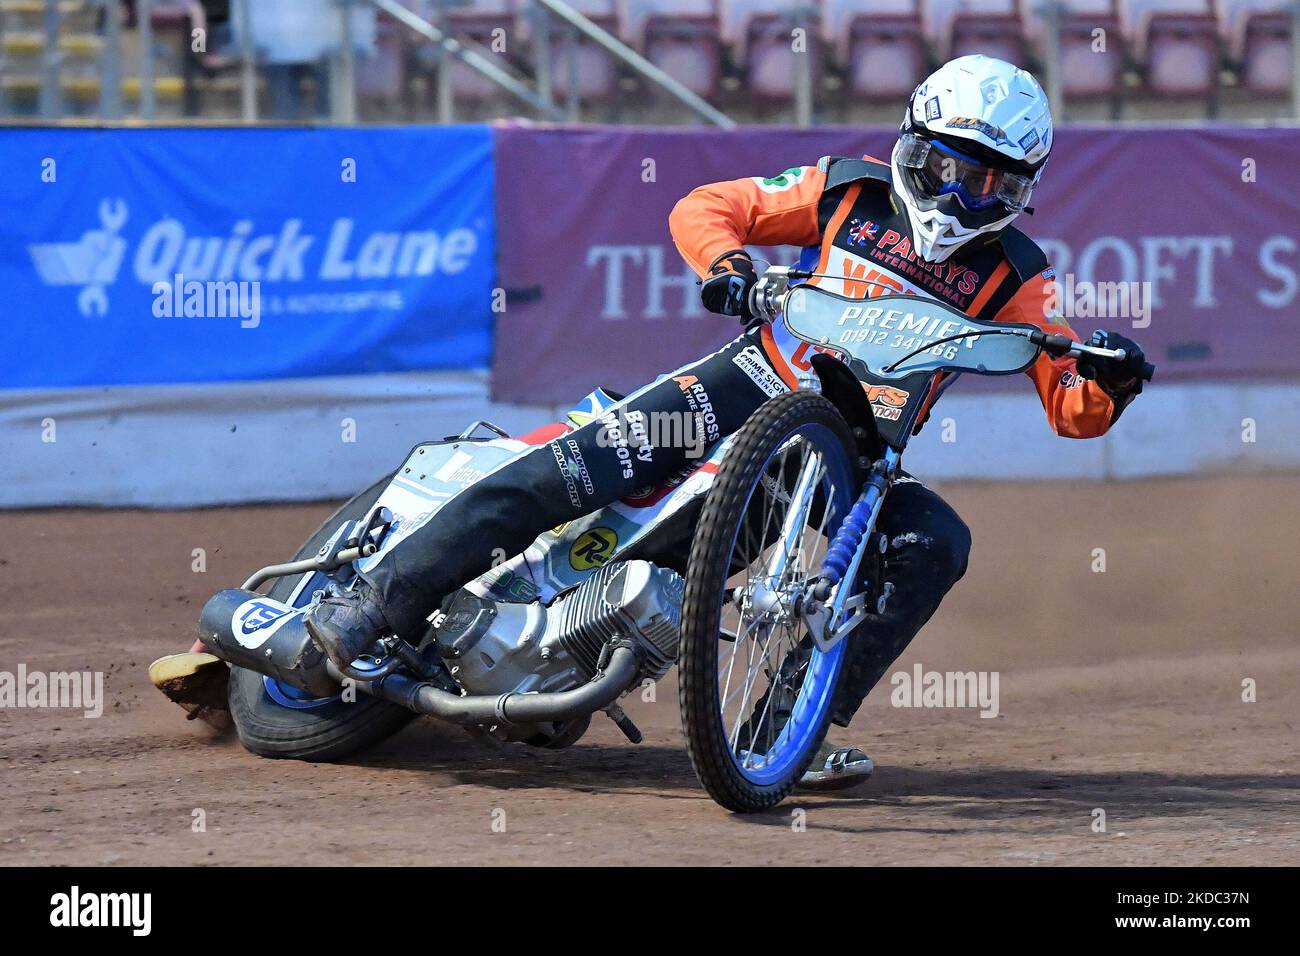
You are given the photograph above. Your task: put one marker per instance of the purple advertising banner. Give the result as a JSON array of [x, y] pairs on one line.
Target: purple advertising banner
[[1198, 227]]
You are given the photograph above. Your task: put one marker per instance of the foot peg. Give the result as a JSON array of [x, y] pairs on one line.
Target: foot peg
[[883, 601], [624, 723]]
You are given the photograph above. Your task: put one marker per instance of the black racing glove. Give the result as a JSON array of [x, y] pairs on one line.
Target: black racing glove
[[1121, 380], [726, 290]]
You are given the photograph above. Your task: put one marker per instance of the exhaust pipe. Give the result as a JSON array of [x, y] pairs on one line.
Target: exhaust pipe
[[253, 631], [261, 634], [487, 709]]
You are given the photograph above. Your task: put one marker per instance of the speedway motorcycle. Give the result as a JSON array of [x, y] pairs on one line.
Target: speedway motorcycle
[[752, 570]]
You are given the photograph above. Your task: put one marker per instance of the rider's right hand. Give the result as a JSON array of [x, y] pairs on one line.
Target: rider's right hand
[[726, 290], [1119, 379]]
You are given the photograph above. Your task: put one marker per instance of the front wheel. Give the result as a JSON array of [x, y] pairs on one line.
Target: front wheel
[[755, 692]]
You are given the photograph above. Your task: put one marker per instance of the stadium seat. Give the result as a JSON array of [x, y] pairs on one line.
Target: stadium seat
[[681, 37], [760, 32], [882, 53], [595, 70], [382, 77], [476, 21], [1177, 45], [993, 33], [1259, 42], [1267, 55], [1087, 73]]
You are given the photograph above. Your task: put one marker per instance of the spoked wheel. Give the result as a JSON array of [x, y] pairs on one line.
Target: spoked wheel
[[755, 692]]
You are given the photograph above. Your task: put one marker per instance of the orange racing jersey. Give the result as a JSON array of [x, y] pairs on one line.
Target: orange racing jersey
[[845, 216]]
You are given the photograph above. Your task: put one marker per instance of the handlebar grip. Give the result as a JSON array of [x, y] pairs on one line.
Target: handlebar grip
[[1053, 344]]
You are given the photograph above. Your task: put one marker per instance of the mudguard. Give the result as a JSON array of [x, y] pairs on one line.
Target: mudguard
[[842, 388]]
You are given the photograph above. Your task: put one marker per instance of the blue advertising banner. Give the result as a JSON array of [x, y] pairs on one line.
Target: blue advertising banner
[[193, 255]]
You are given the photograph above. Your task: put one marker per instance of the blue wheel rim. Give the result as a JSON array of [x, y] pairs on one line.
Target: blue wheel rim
[[787, 752], [295, 698]]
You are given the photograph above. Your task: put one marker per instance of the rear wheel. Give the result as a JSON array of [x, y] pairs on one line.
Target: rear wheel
[[277, 720], [755, 693]]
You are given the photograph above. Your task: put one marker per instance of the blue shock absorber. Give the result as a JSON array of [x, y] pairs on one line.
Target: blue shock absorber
[[848, 539]]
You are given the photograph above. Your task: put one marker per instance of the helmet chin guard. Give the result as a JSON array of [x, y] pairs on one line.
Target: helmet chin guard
[[974, 115], [938, 232]]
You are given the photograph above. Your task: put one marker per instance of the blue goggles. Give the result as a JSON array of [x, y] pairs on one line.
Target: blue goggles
[[943, 171]]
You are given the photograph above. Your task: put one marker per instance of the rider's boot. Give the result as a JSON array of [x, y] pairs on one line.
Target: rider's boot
[[197, 682], [833, 767], [346, 621]]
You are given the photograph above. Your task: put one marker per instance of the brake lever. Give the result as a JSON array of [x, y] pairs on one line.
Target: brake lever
[[1058, 346]]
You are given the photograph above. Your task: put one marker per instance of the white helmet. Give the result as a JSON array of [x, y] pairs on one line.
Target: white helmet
[[972, 147]]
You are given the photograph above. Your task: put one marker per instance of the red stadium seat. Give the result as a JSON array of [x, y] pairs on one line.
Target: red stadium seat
[[994, 34], [761, 33], [1182, 55], [689, 49], [383, 76], [992, 27], [1088, 72], [477, 22], [1177, 45], [883, 53], [770, 65], [681, 37], [887, 56], [596, 71], [1258, 34], [1267, 54]]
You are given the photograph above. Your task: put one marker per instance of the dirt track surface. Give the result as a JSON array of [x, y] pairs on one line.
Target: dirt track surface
[[1119, 691]]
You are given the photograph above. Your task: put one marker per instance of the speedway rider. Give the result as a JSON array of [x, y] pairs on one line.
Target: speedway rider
[[935, 221]]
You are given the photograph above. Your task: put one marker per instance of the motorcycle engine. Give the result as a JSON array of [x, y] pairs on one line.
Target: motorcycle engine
[[497, 647]]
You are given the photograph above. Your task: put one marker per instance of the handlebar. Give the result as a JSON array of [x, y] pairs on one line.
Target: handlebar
[[767, 300], [1059, 345]]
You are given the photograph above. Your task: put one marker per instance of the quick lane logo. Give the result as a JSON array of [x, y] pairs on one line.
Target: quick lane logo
[[91, 262], [281, 255], [76, 909]]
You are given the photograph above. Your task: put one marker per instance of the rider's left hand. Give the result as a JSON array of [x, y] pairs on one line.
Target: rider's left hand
[[1118, 378]]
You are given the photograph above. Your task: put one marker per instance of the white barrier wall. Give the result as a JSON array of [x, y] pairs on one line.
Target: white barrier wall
[[306, 439]]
